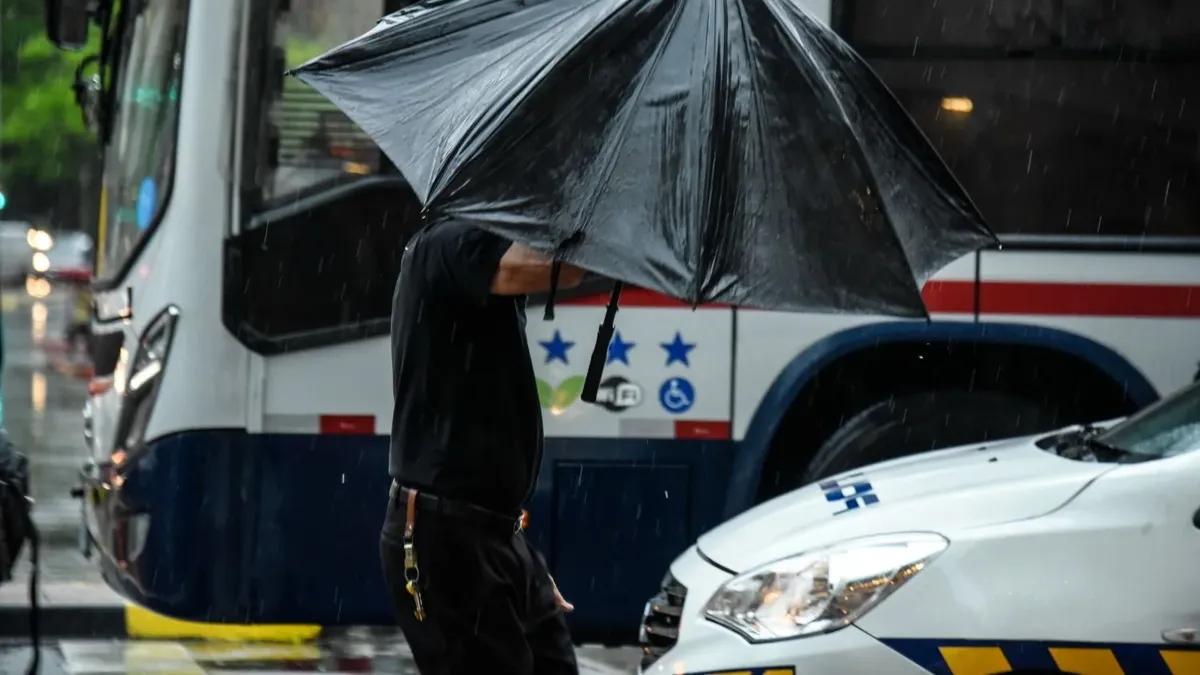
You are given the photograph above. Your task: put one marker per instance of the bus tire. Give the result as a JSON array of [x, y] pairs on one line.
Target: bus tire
[[914, 423]]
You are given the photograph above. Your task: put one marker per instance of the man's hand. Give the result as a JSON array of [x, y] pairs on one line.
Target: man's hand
[[560, 600]]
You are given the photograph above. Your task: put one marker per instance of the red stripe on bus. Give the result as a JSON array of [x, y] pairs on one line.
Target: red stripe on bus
[[1005, 297], [1064, 299], [630, 297], [703, 430], [347, 424]]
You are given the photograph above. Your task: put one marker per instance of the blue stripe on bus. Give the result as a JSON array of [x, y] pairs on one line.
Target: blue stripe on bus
[[285, 528], [753, 449]]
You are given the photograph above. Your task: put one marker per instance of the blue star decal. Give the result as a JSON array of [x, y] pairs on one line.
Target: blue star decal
[[556, 348], [677, 350], [618, 350]]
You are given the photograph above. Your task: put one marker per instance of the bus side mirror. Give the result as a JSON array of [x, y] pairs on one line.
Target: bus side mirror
[[67, 23]]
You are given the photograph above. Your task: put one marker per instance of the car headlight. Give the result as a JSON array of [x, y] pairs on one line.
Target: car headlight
[[820, 591]]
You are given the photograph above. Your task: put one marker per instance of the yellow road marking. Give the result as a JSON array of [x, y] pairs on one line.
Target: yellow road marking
[[102, 231], [975, 660], [780, 671], [142, 623], [234, 652], [1086, 661], [1182, 662], [159, 658]]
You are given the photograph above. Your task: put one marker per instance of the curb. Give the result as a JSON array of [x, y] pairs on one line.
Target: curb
[[120, 622], [92, 610], [64, 621]]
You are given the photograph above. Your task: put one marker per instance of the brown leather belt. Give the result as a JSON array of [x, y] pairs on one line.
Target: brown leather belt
[[415, 500]]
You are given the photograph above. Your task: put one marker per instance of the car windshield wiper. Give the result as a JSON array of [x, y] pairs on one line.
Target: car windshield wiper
[[1084, 444], [1113, 453]]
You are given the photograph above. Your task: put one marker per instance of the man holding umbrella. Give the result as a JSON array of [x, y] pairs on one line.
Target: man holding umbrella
[[715, 152], [469, 589]]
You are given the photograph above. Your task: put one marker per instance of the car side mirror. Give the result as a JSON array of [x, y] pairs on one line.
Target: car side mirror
[[67, 23]]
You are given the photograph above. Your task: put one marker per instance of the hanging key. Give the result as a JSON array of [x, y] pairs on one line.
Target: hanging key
[[418, 605], [412, 574]]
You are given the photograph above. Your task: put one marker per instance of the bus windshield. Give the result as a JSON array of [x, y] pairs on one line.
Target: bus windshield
[[140, 154]]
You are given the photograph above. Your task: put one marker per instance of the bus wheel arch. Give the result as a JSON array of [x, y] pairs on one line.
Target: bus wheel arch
[[845, 374]]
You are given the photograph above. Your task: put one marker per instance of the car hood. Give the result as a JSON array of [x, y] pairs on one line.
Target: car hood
[[940, 491]]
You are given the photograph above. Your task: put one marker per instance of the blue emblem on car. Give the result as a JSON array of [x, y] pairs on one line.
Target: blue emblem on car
[[850, 492]]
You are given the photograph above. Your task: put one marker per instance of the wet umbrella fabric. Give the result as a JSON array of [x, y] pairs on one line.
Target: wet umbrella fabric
[[729, 151]]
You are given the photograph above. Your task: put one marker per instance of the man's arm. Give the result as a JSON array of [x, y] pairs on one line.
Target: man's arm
[[523, 271], [474, 264]]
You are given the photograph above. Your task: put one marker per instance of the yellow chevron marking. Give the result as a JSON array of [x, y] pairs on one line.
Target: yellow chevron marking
[[735, 672], [780, 671], [1181, 662], [1086, 661], [975, 660]]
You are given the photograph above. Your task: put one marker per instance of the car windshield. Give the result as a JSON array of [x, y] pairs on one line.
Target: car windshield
[[1168, 428]]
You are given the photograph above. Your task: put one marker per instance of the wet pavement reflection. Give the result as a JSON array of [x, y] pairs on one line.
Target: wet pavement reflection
[[42, 403]]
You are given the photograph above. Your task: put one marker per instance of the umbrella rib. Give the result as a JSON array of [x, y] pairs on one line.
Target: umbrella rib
[[443, 179], [643, 81], [868, 173], [715, 159]]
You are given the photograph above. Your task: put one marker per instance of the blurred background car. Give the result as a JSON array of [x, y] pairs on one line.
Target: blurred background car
[[16, 248], [67, 257]]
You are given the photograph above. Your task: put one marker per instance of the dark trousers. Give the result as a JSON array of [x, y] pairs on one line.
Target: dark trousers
[[489, 602]]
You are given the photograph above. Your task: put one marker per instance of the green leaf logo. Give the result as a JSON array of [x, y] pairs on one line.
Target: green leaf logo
[[558, 399]]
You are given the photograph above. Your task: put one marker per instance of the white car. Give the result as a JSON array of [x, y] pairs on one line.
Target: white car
[[1071, 552]]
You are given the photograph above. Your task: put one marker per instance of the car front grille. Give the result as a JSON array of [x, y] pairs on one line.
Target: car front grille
[[660, 620]]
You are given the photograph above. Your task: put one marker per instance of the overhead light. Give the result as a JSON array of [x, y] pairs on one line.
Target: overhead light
[[41, 262], [958, 104]]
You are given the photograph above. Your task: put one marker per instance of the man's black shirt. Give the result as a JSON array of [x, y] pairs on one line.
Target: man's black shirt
[[467, 424]]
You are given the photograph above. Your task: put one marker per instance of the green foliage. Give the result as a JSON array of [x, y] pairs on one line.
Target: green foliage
[[298, 51], [43, 139]]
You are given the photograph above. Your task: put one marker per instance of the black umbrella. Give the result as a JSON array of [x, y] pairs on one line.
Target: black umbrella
[[732, 151]]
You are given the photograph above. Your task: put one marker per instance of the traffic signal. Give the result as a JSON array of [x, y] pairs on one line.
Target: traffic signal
[[3, 201]]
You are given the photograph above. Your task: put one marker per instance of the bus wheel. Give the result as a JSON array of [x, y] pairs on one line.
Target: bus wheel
[[915, 423]]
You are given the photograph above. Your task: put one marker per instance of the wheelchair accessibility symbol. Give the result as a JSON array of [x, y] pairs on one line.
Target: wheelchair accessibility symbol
[[676, 395]]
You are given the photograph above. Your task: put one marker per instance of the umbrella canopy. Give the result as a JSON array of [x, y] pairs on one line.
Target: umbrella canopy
[[714, 150]]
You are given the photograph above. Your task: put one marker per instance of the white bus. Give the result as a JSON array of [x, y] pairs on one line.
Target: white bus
[[249, 241]]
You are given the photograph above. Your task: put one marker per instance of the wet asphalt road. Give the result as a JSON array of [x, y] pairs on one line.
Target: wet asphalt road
[[43, 401], [349, 655]]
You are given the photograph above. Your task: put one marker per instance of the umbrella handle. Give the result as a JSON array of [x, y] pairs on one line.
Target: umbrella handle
[[591, 382], [555, 270]]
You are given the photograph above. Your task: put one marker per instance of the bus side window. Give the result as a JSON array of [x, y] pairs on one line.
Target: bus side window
[[1064, 119], [317, 144], [320, 270]]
